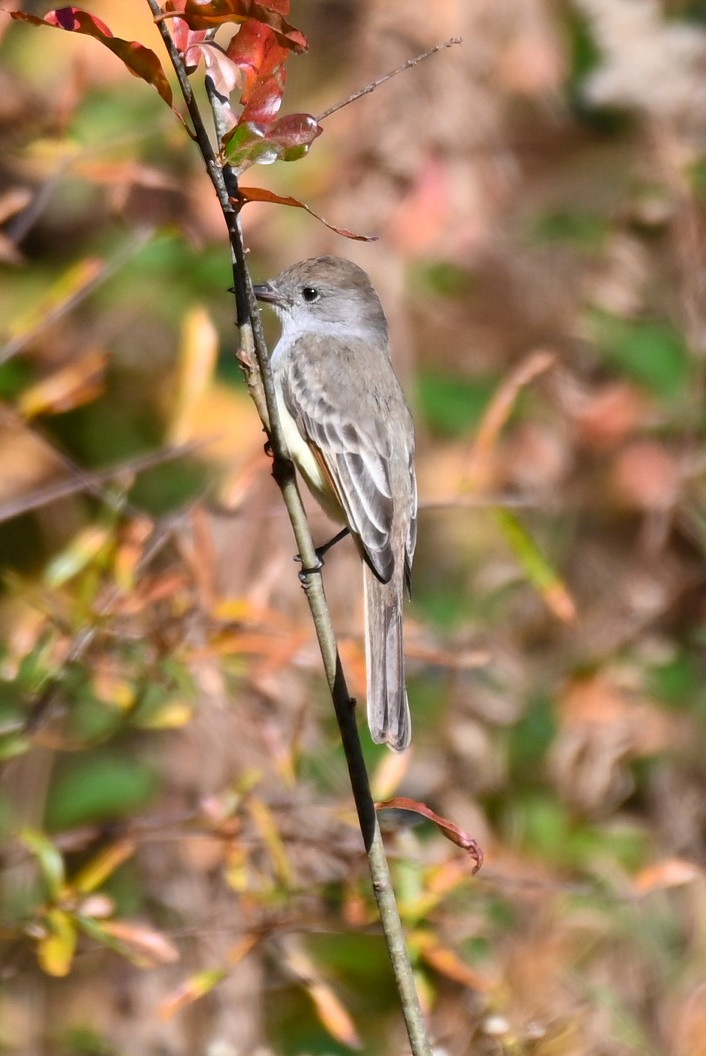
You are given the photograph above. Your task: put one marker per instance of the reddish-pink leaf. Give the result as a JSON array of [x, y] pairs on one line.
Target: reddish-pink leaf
[[260, 194], [185, 38], [200, 15], [448, 828], [295, 130], [254, 49], [265, 101], [139, 60]]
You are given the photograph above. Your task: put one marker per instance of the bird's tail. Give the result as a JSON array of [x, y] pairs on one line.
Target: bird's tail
[[388, 710]]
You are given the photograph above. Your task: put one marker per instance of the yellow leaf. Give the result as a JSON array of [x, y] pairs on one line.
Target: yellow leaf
[[102, 866], [171, 716], [55, 951], [49, 858], [83, 549], [536, 567], [77, 383], [447, 962], [262, 816], [66, 287], [191, 991], [330, 1010], [196, 364]]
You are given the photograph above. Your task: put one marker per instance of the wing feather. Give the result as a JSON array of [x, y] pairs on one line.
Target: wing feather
[[354, 455]]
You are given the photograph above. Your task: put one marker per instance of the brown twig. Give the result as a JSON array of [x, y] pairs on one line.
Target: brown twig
[[388, 76], [95, 481]]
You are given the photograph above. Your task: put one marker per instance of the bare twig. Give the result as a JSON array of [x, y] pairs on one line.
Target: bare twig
[[388, 76], [255, 359], [94, 482]]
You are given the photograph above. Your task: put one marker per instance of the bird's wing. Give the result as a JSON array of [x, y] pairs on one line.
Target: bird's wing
[[353, 451]]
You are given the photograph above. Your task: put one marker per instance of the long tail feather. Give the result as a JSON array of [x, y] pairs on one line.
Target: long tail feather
[[388, 709]]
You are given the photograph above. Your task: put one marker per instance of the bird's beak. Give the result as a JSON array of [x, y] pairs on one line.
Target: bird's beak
[[268, 294]]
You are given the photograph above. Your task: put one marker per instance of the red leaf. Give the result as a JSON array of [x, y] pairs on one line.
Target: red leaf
[[449, 829], [259, 194], [254, 49], [139, 60], [265, 101], [295, 130], [200, 15], [183, 37]]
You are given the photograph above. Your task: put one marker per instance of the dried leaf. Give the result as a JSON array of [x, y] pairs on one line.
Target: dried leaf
[[448, 828], [144, 946], [447, 962], [191, 991], [78, 383], [674, 872], [139, 61], [500, 409], [198, 354], [331, 1011], [260, 194], [262, 817], [66, 288]]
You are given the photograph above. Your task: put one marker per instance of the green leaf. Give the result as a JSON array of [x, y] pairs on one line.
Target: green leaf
[[451, 405], [536, 566], [48, 857], [98, 787], [650, 352]]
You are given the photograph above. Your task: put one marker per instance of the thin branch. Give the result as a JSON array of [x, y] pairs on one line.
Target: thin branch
[[388, 76], [82, 480], [255, 358]]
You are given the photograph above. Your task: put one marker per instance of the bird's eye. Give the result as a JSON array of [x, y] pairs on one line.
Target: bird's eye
[[310, 294]]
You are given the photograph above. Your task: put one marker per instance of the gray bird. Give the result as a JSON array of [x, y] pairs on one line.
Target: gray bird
[[350, 433]]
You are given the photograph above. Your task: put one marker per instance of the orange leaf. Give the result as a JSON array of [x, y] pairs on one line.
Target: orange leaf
[[448, 962], [77, 383], [191, 991], [674, 872], [147, 946], [330, 1009]]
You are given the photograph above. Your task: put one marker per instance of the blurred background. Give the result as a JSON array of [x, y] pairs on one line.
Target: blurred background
[[180, 867]]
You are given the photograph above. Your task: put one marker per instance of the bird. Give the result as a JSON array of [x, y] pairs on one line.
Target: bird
[[349, 432]]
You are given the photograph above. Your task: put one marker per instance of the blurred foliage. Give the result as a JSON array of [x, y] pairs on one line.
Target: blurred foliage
[[180, 865]]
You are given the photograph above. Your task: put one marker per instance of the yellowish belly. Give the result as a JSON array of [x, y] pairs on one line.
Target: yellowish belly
[[307, 464]]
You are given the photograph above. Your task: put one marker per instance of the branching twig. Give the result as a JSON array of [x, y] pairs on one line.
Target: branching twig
[[262, 388], [82, 480], [388, 76]]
